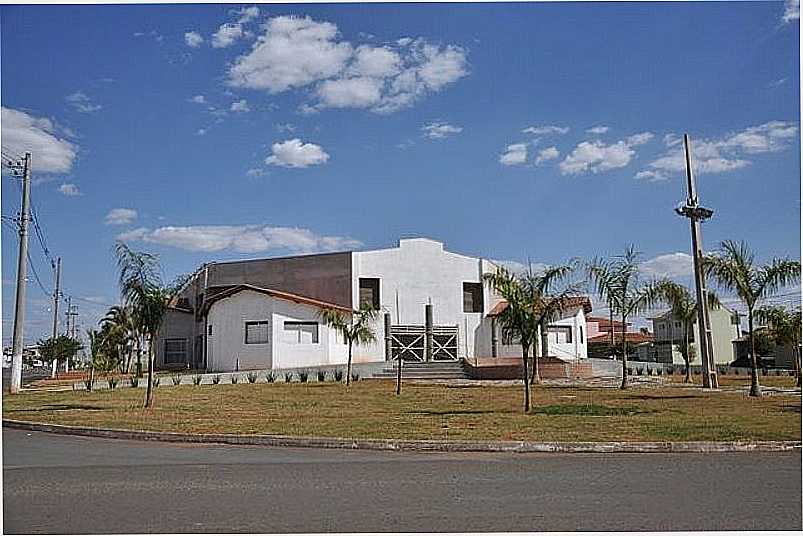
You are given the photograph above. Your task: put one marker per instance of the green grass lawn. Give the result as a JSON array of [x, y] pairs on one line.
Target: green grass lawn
[[370, 409]]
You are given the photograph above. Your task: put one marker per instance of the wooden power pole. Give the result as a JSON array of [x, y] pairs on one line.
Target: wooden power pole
[[696, 215]]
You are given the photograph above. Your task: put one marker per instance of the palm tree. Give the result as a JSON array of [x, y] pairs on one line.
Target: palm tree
[[620, 280], [683, 307], [121, 325], [734, 269], [785, 328], [95, 343], [59, 348], [140, 285], [355, 328], [518, 318], [549, 293]]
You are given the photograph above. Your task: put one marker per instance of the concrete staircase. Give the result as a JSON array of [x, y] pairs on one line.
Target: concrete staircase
[[416, 370]]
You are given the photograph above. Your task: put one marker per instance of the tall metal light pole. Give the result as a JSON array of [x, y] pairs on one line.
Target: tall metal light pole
[[22, 274], [697, 214]]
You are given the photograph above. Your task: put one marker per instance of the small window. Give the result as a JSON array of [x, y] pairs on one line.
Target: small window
[[369, 293], [300, 333], [677, 325], [563, 334], [582, 341], [472, 297], [256, 332], [175, 351], [209, 330]]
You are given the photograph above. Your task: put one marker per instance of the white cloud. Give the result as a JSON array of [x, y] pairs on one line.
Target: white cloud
[[247, 14], [545, 130], [198, 99], [791, 10], [69, 189], [121, 216], [719, 155], [193, 39], [23, 132], [514, 155], [81, 103], [285, 127], [296, 154], [596, 157], [241, 238], [295, 52], [227, 35], [255, 172], [438, 130], [518, 267], [550, 153], [201, 132], [671, 265], [601, 129], [640, 139], [240, 106]]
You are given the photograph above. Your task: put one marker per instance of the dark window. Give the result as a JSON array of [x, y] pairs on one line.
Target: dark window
[[563, 334], [369, 293], [210, 329], [581, 335], [472, 297], [175, 351], [256, 332]]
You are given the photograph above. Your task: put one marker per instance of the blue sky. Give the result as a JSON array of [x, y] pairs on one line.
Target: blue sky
[[509, 131]]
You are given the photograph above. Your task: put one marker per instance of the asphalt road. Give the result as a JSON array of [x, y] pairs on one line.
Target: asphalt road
[[62, 484]]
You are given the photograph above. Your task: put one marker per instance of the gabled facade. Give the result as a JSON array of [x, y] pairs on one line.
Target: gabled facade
[[668, 332]]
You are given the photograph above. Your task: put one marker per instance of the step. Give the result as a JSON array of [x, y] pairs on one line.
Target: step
[[440, 376]]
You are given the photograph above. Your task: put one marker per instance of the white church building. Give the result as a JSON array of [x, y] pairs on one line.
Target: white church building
[[266, 313]]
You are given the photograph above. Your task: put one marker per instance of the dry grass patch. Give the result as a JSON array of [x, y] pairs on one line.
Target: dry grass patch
[[370, 409]]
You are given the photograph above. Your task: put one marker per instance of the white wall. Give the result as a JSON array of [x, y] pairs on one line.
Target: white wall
[[577, 349], [419, 271], [226, 344]]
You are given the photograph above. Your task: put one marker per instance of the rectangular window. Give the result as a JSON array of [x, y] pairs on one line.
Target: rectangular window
[[256, 332], [369, 293], [300, 333], [472, 297], [175, 351], [582, 341], [562, 334]]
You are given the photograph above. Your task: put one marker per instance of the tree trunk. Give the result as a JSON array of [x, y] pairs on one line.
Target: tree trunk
[[139, 357], [525, 350], [54, 366], [797, 366], [687, 354], [92, 376], [755, 388], [536, 375], [610, 310], [624, 353], [348, 367], [149, 391]]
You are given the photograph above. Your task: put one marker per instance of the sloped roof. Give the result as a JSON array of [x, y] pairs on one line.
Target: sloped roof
[[574, 301], [287, 296], [634, 337]]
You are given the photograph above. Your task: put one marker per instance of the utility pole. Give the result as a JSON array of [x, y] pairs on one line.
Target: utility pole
[[22, 274], [696, 215], [56, 299], [72, 313]]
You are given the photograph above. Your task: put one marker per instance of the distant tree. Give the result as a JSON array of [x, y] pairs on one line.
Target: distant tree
[[785, 327], [120, 330], [60, 348], [355, 328], [619, 279], [733, 267], [518, 319]]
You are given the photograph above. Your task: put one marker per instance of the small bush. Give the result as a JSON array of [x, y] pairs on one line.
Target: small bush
[[355, 376], [176, 378], [196, 380], [156, 380], [629, 371], [321, 376], [670, 370], [303, 375], [216, 379], [659, 371], [695, 372], [270, 377], [234, 379], [88, 384], [735, 372], [288, 377], [763, 372], [639, 371], [338, 375], [252, 377], [133, 381], [649, 371], [112, 382]]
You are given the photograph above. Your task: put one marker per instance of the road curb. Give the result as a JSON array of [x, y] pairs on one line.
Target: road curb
[[414, 445]]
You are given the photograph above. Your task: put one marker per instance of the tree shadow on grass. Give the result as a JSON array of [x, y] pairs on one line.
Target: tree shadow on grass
[[58, 407]]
